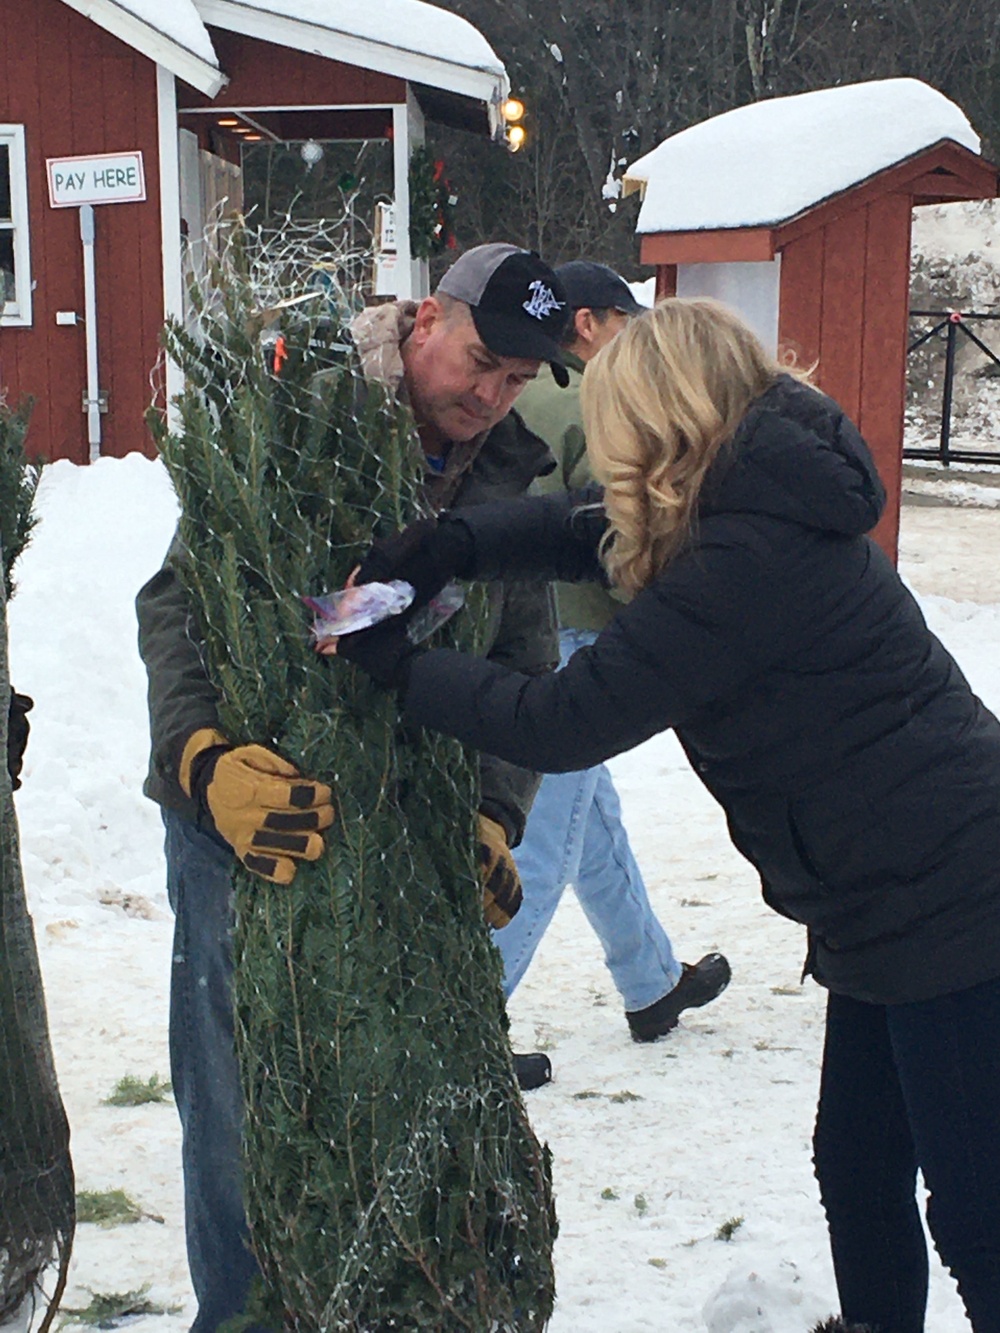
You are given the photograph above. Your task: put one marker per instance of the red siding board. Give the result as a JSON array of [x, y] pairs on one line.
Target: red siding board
[[707, 247], [839, 369], [844, 299], [800, 314], [263, 74], [666, 281], [883, 356]]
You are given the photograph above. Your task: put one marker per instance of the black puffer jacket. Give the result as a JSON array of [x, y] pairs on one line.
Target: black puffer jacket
[[857, 770]]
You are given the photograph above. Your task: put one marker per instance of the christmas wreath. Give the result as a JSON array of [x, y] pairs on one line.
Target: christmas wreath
[[431, 206]]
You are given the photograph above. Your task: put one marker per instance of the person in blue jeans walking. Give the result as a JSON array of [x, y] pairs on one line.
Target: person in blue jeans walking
[[574, 834]]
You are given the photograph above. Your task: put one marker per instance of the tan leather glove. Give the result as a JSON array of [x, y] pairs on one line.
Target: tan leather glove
[[501, 882], [268, 813]]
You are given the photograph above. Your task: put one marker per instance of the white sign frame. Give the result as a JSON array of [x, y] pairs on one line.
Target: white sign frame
[[91, 189]]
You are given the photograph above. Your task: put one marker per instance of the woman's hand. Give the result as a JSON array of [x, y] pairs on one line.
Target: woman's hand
[[427, 554], [383, 652]]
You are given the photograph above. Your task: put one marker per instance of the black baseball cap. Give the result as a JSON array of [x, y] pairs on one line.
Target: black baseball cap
[[596, 287], [517, 303]]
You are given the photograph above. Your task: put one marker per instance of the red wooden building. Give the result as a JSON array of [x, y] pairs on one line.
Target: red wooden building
[[152, 101], [797, 213]]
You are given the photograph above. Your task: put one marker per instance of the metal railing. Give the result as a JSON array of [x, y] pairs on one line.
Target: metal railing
[[954, 323]]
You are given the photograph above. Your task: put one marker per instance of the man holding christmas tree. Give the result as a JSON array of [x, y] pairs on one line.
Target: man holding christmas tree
[[459, 359]]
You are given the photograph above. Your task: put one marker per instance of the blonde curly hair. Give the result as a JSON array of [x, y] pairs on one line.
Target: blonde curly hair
[[658, 404]]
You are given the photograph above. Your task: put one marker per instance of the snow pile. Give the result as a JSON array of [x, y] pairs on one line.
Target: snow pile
[[753, 1302], [949, 489], [955, 256], [644, 292], [765, 163], [955, 265]]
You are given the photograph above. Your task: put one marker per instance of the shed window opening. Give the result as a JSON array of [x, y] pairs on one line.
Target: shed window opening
[[8, 270], [15, 286]]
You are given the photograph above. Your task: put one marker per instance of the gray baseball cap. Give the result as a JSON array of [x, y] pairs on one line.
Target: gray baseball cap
[[517, 303]]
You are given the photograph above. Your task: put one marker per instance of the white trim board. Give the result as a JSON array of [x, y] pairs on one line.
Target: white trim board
[[170, 221], [20, 317], [220, 110]]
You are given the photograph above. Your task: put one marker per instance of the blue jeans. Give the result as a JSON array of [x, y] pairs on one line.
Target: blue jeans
[[907, 1086], [205, 1072], [575, 835]]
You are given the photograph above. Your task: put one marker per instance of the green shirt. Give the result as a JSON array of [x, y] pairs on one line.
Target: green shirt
[[554, 415]]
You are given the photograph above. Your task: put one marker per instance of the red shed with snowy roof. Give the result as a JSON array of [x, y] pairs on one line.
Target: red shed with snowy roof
[[123, 122], [796, 212]]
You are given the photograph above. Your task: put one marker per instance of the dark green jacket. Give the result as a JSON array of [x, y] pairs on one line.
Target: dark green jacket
[[521, 635], [554, 415]]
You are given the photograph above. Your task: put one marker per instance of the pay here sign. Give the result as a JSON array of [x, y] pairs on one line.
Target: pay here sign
[[106, 178]]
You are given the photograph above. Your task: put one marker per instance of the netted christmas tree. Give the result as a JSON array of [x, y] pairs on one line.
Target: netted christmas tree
[[37, 1207], [392, 1179]]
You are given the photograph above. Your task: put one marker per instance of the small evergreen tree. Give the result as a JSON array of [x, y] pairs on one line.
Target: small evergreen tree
[[18, 484], [393, 1181]]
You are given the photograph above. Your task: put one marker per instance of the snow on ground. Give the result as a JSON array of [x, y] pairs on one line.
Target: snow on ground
[[972, 485], [655, 1147]]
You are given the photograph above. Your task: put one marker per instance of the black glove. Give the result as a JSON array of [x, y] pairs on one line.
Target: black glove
[[383, 652], [427, 554], [17, 734]]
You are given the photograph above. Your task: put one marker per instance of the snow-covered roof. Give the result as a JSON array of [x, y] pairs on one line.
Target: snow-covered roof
[[408, 38], [765, 163], [170, 32], [179, 20], [405, 25]]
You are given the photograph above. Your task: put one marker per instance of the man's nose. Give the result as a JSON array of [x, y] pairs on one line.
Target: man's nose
[[489, 389]]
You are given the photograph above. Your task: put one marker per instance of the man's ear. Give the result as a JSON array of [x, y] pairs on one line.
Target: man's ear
[[429, 314], [584, 324]]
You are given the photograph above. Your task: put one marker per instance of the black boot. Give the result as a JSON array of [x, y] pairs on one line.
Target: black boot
[[532, 1070], [700, 983]]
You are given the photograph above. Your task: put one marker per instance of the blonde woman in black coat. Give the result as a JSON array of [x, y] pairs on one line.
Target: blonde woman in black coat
[[857, 770]]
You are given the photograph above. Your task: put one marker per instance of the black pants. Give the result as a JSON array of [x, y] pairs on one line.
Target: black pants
[[907, 1086]]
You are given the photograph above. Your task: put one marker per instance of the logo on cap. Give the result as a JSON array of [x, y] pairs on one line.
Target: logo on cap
[[542, 301]]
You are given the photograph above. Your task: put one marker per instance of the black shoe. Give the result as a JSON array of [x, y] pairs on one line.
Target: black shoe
[[700, 983], [532, 1070]]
